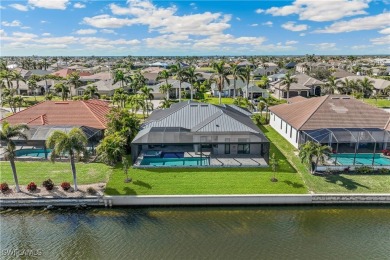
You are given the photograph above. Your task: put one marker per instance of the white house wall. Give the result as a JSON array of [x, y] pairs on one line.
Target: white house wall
[[284, 129]]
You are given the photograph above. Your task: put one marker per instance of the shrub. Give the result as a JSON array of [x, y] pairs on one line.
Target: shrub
[[48, 184], [364, 170], [4, 187], [91, 191], [383, 171], [32, 186], [65, 185]]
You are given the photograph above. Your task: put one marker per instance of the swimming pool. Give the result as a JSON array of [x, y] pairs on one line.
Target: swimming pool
[[187, 161], [361, 159], [33, 152]]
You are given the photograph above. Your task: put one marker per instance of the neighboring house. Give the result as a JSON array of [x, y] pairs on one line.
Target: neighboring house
[[96, 77], [340, 73], [65, 72], [276, 77], [269, 69], [174, 92], [306, 86], [48, 116], [24, 73], [216, 135], [379, 84], [104, 87], [339, 121], [243, 64], [241, 89]]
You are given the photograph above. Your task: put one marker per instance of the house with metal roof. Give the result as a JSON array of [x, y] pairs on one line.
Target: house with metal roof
[[242, 89], [200, 134], [357, 132]]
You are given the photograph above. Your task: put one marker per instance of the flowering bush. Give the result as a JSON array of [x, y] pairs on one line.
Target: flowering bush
[[31, 186], [48, 184], [4, 187], [65, 185]]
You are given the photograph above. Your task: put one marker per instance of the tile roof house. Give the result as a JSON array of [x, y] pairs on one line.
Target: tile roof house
[[379, 84], [199, 127], [65, 72], [326, 112], [305, 87]]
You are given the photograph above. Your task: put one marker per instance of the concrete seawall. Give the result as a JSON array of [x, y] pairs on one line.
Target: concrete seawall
[[201, 200]]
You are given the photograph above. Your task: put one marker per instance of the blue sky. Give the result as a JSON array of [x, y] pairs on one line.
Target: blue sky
[[135, 27]]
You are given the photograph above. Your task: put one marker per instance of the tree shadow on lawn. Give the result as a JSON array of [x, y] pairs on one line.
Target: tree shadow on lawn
[[126, 191], [344, 182], [142, 184], [295, 185]]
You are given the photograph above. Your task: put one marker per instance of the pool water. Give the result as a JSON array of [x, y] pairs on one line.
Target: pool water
[[361, 159], [191, 161], [33, 152]]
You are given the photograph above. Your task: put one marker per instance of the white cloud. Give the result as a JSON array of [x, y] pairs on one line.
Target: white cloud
[[238, 18], [58, 40], [291, 42], [259, 11], [2, 7], [25, 27], [46, 34], [291, 26], [108, 31], [14, 23], [321, 11], [86, 31], [385, 31], [302, 34], [254, 24], [360, 47], [358, 24], [79, 5], [2, 33], [324, 45], [163, 20], [49, 4], [269, 24], [381, 40], [43, 21], [23, 8]]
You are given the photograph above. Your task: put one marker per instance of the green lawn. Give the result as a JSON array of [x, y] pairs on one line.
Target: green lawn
[[208, 180], [343, 183], [58, 172], [382, 103]]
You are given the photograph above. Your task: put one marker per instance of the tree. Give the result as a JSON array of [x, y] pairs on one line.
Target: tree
[[246, 73], [63, 89], [165, 103], [309, 150], [126, 166], [260, 106], [92, 91], [348, 86], [236, 73], [74, 79], [366, 86], [192, 77], [6, 134], [330, 85], [112, 148], [165, 89], [274, 163], [17, 77], [180, 74], [72, 143], [120, 97], [287, 81], [138, 81], [220, 76], [32, 86]]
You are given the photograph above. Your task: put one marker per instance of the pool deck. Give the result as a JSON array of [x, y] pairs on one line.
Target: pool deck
[[218, 160]]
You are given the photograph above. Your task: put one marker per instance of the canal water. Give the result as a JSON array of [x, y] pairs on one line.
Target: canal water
[[198, 233]]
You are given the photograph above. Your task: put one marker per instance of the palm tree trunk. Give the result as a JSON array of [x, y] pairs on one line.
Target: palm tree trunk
[[234, 88], [13, 167], [288, 94], [180, 91], [192, 94], [219, 97], [73, 166]]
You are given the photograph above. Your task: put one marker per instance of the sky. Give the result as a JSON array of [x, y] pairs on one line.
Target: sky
[[187, 28]]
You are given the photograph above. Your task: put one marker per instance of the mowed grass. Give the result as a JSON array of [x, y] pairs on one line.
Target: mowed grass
[[343, 183], [187, 181], [57, 172], [381, 103]]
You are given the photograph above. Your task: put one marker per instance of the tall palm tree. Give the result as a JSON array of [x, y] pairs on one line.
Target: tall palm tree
[[73, 143], [246, 72], [32, 86], [92, 91], [180, 74], [220, 76], [165, 89], [7, 132], [366, 86], [311, 150], [330, 85], [236, 74], [348, 86], [120, 97], [74, 79], [138, 81], [17, 77], [287, 80], [63, 89], [192, 77], [7, 76]]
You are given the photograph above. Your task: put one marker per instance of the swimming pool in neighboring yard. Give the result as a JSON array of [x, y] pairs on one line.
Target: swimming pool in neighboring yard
[[361, 159], [33, 152], [186, 161]]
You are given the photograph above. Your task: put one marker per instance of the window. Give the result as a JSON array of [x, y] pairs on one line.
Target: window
[[227, 148], [243, 149], [290, 131], [281, 124]]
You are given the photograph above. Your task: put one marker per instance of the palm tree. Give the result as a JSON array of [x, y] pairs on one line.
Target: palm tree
[[63, 89], [120, 97], [180, 74], [246, 72], [331, 85], [7, 76], [32, 86], [74, 79], [273, 162], [260, 106], [236, 73], [6, 134], [72, 143], [18, 77], [310, 149], [220, 76], [146, 94], [165, 88], [348, 86], [165, 103], [192, 77], [138, 81], [287, 80], [92, 91], [367, 86]]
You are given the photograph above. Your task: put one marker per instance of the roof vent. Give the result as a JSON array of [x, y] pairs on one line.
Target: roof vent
[[346, 98], [204, 105], [61, 103], [335, 98], [193, 105]]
